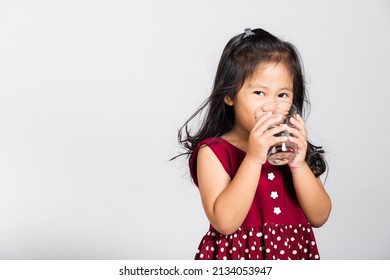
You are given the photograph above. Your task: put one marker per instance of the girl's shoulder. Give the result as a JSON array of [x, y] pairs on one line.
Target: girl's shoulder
[[218, 143], [212, 142], [227, 154], [219, 146]]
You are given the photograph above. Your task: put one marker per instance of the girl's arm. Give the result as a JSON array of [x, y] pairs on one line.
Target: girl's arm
[[227, 201], [311, 194]]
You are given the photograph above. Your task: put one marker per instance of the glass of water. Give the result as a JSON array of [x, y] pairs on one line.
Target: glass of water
[[284, 152]]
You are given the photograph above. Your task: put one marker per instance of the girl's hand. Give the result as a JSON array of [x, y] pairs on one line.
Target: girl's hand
[[298, 137], [261, 137]]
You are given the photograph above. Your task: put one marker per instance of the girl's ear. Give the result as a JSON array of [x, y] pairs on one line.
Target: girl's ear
[[228, 100]]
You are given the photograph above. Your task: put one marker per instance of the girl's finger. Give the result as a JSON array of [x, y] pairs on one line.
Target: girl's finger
[[261, 119], [268, 122], [276, 140], [295, 132], [298, 123], [273, 132], [299, 141]]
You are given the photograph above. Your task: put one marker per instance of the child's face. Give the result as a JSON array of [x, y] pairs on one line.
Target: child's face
[[270, 82]]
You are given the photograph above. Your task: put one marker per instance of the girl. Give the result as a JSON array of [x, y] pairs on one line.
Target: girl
[[256, 210]]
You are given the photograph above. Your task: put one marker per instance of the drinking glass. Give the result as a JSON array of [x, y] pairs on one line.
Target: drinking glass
[[284, 152]]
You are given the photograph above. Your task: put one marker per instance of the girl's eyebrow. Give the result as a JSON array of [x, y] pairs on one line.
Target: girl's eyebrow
[[264, 87], [286, 88]]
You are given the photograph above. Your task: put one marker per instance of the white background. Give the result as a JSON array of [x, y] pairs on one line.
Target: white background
[[92, 94]]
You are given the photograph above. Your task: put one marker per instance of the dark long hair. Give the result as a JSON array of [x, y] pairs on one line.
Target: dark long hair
[[239, 60]]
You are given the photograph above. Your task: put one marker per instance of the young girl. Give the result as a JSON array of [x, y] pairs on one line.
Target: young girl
[[256, 210]]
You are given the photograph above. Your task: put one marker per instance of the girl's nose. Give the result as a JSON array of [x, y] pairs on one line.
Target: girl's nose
[[274, 98]]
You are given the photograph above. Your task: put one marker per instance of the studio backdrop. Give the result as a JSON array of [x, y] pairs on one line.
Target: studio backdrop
[[92, 94]]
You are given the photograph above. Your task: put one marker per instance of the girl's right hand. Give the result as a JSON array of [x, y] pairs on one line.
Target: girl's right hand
[[261, 137]]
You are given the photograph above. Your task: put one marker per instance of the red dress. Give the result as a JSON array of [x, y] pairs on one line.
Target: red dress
[[275, 227]]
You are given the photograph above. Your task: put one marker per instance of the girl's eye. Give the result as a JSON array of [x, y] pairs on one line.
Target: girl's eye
[[282, 95], [259, 92]]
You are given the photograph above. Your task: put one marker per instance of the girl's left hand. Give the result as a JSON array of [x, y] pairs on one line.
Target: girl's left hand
[[298, 137]]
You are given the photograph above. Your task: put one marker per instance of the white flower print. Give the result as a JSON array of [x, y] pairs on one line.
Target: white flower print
[[271, 176], [277, 210], [274, 195]]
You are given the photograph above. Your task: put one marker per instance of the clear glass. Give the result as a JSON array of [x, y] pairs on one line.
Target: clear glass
[[284, 152]]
